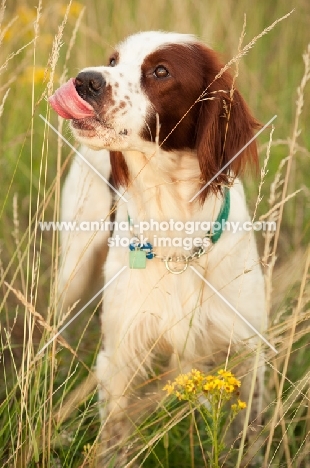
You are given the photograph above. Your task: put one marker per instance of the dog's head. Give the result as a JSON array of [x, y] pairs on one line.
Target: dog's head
[[166, 89]]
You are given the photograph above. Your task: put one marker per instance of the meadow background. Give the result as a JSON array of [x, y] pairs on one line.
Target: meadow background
[[41, 46]]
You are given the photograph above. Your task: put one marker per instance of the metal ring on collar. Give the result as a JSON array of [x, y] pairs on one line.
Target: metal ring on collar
[[176, 272]]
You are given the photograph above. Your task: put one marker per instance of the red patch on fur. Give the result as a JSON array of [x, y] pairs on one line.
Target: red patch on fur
[[197, 110], [119, 169]]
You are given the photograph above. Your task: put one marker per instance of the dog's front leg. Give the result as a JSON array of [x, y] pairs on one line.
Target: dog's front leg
[[116, 425]]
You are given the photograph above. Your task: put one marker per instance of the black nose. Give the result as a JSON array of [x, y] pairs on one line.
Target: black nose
[[89, 85]]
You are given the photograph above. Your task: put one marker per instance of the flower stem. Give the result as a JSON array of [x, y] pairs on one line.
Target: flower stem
[[215, 451]]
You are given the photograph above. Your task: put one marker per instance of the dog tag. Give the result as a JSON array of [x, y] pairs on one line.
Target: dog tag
[[137, 259]]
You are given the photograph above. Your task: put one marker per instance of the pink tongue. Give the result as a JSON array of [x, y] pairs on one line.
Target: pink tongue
[[68, 104]]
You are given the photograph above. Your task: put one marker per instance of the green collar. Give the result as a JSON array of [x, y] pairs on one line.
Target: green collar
[[222, 217], [214, 237]]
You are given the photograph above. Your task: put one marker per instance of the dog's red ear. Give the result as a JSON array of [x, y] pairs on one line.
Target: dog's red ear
[[119, 169], [225, 126]]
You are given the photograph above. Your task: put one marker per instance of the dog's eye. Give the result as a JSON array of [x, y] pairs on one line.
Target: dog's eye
[[161, 72], [112, 62]]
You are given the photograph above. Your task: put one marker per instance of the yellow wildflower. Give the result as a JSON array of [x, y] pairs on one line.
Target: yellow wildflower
[[208, 386], [223, 385], [197, 376], [169, 388], [241, 404], [26, 15], [182, 379], [233, 381], [229, 388], [217, 390], [75, 9], [190, 387], [35, 74], [224, 373], [219, 384]]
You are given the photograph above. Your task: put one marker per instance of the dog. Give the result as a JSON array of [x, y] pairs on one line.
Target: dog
[[167, 115]]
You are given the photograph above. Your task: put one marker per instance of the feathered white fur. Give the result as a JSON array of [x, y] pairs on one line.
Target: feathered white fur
[[85, 198]]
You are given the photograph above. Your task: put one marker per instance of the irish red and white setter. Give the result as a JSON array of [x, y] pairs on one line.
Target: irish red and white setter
[[166, 120]]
